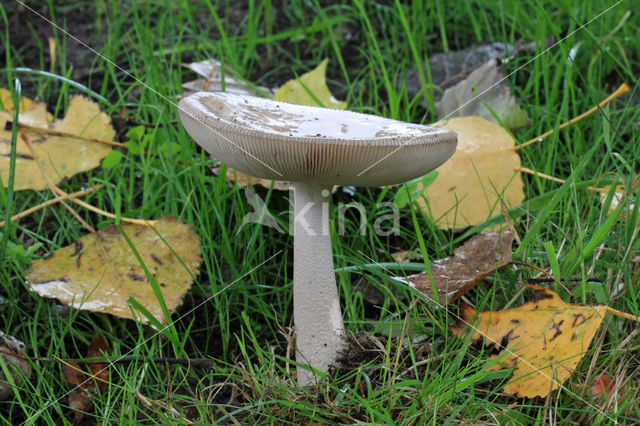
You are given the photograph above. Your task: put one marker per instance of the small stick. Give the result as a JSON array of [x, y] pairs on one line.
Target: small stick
[[42, 130], [107, 214], [207, 82], [622, 314], [52, 187], [555, 179], [27, 128], [52, 201], [515, 262], [617, 93], [61, 194]]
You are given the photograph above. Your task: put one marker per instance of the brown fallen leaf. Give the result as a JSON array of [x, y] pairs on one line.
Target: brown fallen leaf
[[479, 176], [86, 386], [476, 259], [61, 157], [99, 272], [545, 338]]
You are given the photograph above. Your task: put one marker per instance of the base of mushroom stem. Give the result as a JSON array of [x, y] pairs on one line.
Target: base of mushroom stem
[[306, 377]]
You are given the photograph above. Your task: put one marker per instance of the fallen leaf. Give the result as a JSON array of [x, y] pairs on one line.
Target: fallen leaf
[[86, 386], [471, 184], [472, 262], [211, 69], [7, 101], [484, 92], [295, 91], [546, 339], [97, 349], [10, 345], [242, 179], [99, 272], [61, 157], [448, 69]]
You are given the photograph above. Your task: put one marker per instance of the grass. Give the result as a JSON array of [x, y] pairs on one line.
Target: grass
[[239, 310]]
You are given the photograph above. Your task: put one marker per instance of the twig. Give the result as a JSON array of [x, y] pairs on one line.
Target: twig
[[27, 128], [617, 93], [62, 194], [556, 179], [42, 130], [622, 314], [52, 201], [207, 82], [515, 262], [52, 187]]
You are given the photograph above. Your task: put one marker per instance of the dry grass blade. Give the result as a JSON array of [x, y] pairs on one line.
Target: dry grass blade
[[56, 191], [48, 203], [624, 88], [63, 195]]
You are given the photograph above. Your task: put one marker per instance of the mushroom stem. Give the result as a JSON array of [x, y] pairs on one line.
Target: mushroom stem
[[316, 306]]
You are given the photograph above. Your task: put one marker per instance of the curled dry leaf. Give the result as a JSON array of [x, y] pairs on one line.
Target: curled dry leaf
[[473, 183], [61, 157], [476, 259], [545, 339], [10, 345], [483, 93], [448, 69], [99, 272]]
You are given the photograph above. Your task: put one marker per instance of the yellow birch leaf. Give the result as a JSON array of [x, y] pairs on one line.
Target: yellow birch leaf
[[60, 157], [99, 272], [7, 101], [545, 339], [472, 183], [293, 91]]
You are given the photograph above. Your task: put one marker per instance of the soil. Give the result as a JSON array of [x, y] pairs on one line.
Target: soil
[[30, 28]]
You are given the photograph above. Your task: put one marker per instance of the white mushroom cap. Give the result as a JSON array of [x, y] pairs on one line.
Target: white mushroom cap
[[277, 140]]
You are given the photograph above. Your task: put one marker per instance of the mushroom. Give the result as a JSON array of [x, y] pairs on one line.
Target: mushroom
[[315, 148]]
